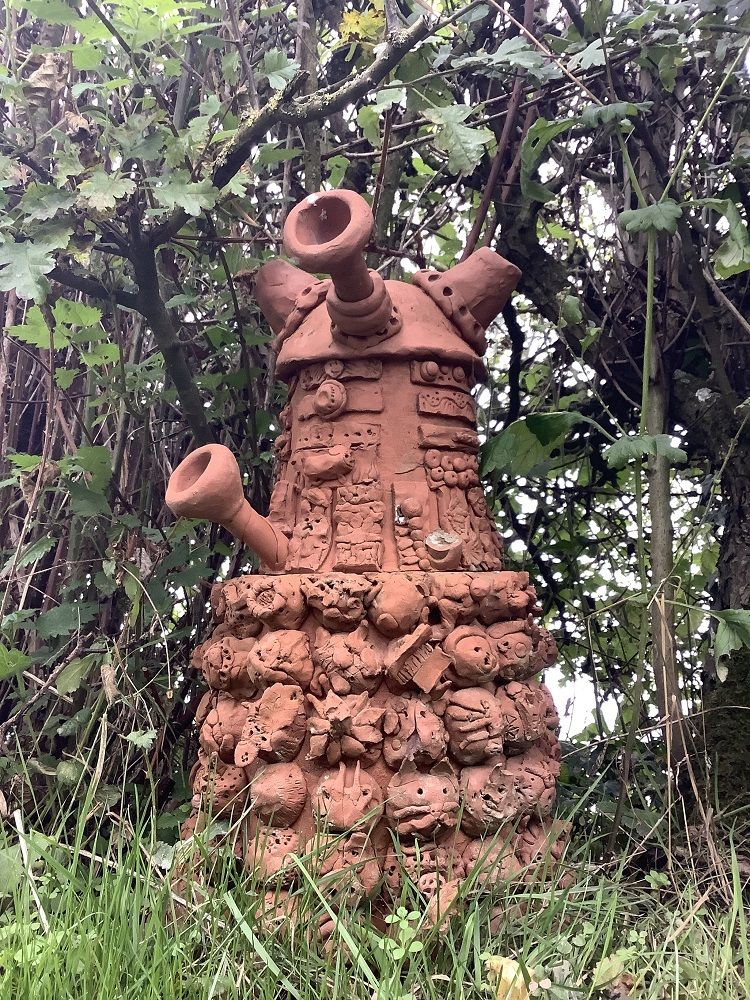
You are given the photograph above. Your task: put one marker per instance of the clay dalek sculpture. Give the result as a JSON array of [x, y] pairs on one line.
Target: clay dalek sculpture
[[376, 678]]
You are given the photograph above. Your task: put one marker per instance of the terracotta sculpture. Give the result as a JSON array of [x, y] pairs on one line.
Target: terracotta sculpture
[[376, 677]]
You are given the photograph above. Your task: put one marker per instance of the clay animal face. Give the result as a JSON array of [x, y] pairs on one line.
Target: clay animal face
[[421, 860], [502, 596], [347, 799], [534, 781], [475, 725], [270, 853], [275, 727], [524, 710], [221, 719], [348, 662], [421, 805], [218, 788], [278, 794], [355, 861], [281, 657], [497, 862], [224, 665], [336, 602], [413, 732], [514, 646], [397, 607], [489, 798], [474, 660], [237, 615]]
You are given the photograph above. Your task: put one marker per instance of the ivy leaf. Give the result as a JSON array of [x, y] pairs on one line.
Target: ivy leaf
[[24, 265], [65, 619], [101, 191], [570, 311], [278, 68], [179, 191], [636, 445], [662, 217], [733, 632], [463, 144]]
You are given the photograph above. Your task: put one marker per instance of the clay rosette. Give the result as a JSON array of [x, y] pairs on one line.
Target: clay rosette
[[348, 727], [276, 601], [281, 658]]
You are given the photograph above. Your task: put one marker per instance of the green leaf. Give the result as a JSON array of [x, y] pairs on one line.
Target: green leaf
[[277, 68], [733, 256], [64, 377], [85, 502], [65, 619], [570, 311], [95, 460], [24, 265], [179, 191], [662, 217], [11, 870], [464, 145], [74, 673], [143, 739], [76, 313], [637, 445], [51, 11], [592, 55], [34, 331], [12, 662], [101, 191], [527, 442], [604, 114], [538, 137], [43, 201], [733, 632], [31, 553], [368, 120], [337, 166]]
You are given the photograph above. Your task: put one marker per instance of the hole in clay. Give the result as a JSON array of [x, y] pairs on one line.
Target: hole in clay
[[433, 277], [306, 291], [434, 617], [420, 791], [447, 290], [463, 310]]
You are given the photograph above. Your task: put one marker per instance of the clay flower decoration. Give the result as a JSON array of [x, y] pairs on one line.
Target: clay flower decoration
[[345, 728], [276, 601]]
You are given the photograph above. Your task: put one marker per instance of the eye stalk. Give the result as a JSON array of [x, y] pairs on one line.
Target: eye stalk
[[327, 233], [207, 485]]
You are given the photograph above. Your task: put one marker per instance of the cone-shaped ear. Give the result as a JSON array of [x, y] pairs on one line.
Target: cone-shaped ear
[[472, 293], [277, 285], [486, 280]]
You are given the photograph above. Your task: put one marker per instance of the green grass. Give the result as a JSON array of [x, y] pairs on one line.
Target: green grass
[[116, 931]]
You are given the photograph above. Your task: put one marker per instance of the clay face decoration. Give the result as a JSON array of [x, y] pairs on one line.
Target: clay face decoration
[[371, 694]]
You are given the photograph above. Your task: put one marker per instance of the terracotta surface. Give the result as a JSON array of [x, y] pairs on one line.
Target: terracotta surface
[[376, 678]]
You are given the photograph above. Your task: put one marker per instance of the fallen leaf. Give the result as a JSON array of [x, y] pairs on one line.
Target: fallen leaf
[[507, 978]]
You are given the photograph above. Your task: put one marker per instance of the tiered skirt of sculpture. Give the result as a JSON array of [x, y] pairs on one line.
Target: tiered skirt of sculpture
[[346, 708]]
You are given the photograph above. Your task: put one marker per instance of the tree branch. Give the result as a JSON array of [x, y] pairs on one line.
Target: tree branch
[[94, 288], [281, 109], [151, 306]]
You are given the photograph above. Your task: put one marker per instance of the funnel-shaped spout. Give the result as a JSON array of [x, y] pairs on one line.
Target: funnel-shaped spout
[[207, 485], [327, 233]]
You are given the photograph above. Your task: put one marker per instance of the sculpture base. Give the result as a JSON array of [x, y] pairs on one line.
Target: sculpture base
[[381, 725]]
